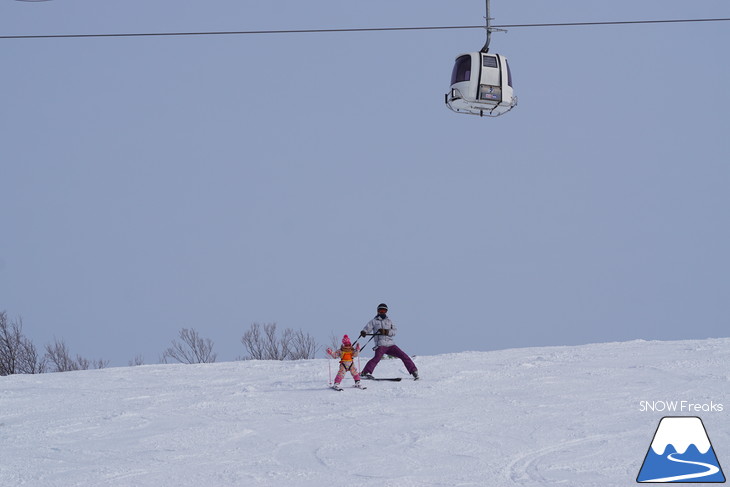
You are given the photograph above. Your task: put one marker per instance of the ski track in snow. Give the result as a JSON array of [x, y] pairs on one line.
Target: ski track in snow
[[525, 417]]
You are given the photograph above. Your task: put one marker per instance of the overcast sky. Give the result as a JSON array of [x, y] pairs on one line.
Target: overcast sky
[[150, 184]]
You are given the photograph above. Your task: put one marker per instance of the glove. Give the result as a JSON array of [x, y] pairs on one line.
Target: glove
[[329, 351], [357, 347], [362, 333]]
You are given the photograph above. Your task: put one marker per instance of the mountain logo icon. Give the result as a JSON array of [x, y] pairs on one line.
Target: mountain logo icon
[[681, 452]]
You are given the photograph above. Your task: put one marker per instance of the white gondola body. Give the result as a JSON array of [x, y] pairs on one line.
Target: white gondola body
[[481, 84]]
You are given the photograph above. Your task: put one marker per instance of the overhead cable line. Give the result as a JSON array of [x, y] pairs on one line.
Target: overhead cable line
[[365, 29]]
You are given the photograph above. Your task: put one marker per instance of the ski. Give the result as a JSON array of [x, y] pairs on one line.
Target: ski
[[392, 379], [339, 388]]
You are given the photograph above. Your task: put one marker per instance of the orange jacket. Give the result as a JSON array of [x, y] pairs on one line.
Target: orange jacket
[[345, 354]]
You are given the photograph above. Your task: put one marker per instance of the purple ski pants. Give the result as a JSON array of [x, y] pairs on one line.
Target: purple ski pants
[[393, 351]]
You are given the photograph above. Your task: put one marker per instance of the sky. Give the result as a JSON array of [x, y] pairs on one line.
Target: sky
[[151, 184]]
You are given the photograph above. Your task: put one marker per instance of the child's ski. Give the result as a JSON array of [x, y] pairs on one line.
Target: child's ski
[[338, 387], [393, 379]]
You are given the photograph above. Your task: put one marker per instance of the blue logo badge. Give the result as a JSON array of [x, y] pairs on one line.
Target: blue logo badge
[[681, 452]]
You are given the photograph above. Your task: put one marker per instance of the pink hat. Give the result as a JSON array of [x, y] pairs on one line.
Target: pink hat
[[346, 341]]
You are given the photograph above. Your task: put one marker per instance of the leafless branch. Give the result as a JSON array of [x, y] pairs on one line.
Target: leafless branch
[[262, 343], [191, 349]]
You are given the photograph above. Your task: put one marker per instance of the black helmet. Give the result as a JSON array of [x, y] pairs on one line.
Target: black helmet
[[383, 306]]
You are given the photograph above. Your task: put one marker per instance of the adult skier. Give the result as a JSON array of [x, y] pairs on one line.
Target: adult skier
[[384, 330]]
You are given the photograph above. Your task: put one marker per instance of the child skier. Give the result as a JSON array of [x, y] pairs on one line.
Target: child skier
[[346, 353]]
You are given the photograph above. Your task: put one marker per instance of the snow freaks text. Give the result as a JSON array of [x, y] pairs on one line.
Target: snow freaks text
[[680, 407]]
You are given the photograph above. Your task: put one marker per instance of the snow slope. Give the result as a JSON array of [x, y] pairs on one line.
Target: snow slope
[[569, 416]]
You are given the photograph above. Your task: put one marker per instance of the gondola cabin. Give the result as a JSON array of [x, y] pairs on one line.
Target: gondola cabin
[[481, 84]]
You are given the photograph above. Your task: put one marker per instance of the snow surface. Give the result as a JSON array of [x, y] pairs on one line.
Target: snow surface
[[566, 416]]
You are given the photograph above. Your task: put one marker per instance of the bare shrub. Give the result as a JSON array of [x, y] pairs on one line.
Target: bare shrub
[[191, 349], [136, 361], [18, 355], [59, 357], [263, 343], [303, 346], [335, 341], [251, 341]]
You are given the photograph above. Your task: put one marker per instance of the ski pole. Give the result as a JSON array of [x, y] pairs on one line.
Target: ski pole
[[371, 335], [358, 339], [363, 347]]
